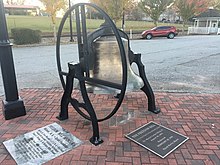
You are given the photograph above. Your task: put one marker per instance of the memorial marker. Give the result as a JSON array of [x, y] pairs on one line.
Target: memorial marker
[[157, 138], [41, 145]]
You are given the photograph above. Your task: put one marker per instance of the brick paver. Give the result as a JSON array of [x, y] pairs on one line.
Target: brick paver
[[194, 115]]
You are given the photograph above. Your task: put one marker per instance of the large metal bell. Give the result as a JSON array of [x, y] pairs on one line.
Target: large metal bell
[[107, 66]]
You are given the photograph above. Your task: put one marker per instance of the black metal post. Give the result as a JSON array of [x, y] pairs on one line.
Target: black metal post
[[123, 20], [71, 27], [13, 106]]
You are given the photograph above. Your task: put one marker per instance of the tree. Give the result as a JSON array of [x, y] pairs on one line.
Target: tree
[[189, 8], [115, 8], [154, 8], [215, 4], [52, 7], [136, 14]]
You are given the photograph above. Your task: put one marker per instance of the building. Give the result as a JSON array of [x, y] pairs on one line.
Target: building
[[207, 22], [22, 10]]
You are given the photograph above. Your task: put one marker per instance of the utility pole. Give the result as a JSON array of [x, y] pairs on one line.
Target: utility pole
[[13, 106], [71, 27], [123, 20]]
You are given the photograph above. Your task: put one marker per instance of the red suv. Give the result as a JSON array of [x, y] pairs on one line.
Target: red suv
[[160, 31]]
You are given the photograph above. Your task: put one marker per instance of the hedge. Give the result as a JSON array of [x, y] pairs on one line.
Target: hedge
[[23, 36]]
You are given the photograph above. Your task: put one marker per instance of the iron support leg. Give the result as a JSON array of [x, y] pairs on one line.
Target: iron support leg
[[66, 95], [95, 139], [146, 88], [75, 72]]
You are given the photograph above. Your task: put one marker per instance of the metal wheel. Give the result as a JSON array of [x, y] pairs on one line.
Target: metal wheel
[[79, 10]]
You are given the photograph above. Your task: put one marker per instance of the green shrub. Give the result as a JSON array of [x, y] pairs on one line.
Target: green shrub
[[23, 36]]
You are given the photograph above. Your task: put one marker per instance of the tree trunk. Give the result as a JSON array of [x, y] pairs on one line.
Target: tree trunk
[[53, 18], [54, 33], [155, 23], [184, 25]]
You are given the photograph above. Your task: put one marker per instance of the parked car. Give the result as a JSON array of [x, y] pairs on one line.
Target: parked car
[[160, 31]]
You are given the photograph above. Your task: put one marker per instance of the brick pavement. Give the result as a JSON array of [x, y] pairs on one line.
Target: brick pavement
[[194, 115]]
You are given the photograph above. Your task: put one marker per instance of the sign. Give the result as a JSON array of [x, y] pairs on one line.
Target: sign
[[157, 138], [41, 145]]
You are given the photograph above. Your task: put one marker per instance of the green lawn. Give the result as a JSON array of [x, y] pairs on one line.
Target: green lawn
[[44, 24]]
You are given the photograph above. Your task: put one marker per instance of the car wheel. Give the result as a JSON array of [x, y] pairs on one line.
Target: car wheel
[[149, 36], [171, 35]]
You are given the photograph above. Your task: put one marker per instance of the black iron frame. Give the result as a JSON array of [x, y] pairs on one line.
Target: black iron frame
[[80, 70]]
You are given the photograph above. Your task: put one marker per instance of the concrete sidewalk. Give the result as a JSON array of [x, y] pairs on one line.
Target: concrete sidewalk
[[194, 115]]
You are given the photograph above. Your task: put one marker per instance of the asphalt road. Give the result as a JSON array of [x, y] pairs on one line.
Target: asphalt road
[[183, 64]]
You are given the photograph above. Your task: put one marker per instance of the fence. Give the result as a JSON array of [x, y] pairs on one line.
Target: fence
[[203, 30]]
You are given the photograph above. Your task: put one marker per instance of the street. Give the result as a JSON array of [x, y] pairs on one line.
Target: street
[[183, 64]]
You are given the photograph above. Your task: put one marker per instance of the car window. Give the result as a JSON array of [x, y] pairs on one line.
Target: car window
[[154, 28], [166, 27], [160, 28]]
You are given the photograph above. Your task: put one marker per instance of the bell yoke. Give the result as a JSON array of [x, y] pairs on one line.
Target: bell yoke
[[99, 52]]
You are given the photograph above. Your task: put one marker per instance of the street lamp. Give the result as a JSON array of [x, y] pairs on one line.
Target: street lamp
[[13, 106], [71, 30]]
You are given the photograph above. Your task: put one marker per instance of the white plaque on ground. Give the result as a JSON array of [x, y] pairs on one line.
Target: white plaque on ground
[[41, 145]]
